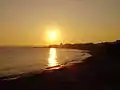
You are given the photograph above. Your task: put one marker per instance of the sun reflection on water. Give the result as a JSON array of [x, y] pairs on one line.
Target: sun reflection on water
[[52, 60]]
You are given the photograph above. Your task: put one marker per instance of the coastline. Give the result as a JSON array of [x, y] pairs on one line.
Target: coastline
[[99, 72], [66, 64]]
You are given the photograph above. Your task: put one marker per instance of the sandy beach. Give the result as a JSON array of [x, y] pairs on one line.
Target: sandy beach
[[99, 72]]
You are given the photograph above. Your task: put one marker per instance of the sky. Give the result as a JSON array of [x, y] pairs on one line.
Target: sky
[[24, 22]]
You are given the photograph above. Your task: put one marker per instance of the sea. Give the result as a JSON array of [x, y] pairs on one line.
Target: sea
[[19, 60]]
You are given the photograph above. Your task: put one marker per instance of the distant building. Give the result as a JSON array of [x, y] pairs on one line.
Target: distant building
[[61, 44]]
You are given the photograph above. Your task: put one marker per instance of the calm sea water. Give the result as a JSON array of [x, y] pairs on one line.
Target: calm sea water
[[17, 60]]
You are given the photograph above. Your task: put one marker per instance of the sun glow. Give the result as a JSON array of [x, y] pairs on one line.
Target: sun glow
[[52, 35]]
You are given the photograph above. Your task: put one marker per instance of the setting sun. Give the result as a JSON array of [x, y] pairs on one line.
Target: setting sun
[[52, 35]]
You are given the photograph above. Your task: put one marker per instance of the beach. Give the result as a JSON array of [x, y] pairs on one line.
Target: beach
[[99, 72]]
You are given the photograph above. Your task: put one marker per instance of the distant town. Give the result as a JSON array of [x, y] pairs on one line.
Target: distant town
[[87, 46]]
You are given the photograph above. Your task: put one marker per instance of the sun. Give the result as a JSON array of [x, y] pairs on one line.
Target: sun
[[52, 35]]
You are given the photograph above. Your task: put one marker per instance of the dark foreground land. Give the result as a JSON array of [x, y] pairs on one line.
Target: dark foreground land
[[99, 72]]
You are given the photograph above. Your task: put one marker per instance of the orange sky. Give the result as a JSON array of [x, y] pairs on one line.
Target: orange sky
[[24, 22]]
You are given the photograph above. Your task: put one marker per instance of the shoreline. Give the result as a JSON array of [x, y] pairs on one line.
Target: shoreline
[[67, 63], [101, 71], [52, 68]]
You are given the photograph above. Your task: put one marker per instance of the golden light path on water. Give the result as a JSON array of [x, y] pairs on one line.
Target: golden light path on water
[[52, 60]]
